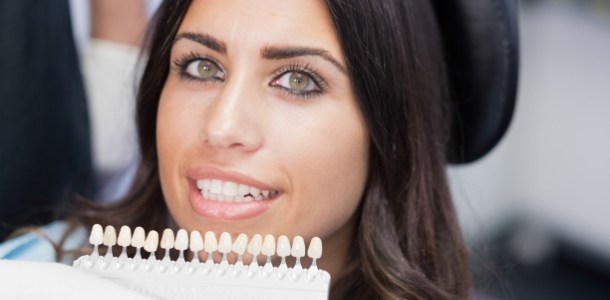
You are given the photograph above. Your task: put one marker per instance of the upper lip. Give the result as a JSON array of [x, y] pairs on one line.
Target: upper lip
[[210, 172]]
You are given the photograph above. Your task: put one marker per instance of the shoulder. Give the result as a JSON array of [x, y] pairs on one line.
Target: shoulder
[[39, 245]]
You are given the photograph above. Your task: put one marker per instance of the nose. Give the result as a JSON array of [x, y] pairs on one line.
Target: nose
[[231, 120]]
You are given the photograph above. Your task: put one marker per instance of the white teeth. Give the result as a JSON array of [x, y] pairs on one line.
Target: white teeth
[[124, 239], [243, 189], [224, 244], [216, 186], [255, 245], [109, 236], [283, 246], [210, 244], [196, 241], [167, 239], [315, 248], [182, 240], [229, 189], [138, 238], [152, 241], [240, 244], [268, 245], [298, 247], [97, 235]]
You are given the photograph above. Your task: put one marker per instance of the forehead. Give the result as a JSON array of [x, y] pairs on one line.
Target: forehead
[[260, 23]]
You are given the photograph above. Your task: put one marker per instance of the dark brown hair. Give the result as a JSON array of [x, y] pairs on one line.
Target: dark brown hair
[[408, 243]]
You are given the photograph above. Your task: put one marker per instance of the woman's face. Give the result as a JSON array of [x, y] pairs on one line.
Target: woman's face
[[258, 128]]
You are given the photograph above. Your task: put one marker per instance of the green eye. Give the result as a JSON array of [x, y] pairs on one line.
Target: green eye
[[204, 69], [207, 69], [299, 81]]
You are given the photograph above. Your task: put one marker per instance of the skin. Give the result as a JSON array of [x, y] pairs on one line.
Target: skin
[[313, 149]]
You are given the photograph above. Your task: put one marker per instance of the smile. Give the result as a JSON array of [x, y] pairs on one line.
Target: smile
[[229, 191]]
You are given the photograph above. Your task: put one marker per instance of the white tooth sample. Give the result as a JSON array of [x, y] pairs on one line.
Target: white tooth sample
[[206, 184], [196, 245], [254, 248], [167, 239], [229, 188], [240, 244], [248, 198], [124, 239], [258, 198], [298, 247], [254, 191], [283, 250], [109, 236], [216, 186], [211, 244], [268, 245], [137, 240], [298, 251], [182, 240], [243, 189], [283, 246], [315, 248], [265, 193], [196, 241], [96, 238], [152, 242], [200, 184], [109, 239], [255, 245], [167, 243], [181, 243], [225, 243], [97, 235]]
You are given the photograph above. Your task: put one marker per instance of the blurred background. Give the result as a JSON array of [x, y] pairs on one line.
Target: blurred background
[[536, 210]]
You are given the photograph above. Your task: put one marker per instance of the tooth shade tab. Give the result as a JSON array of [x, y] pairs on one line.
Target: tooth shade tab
[[210, 244], [255, 245], [182, 240], [109, 236], [268, 245], [315, 248], [240, 244], [97, 235], [138, 238], [283, 246], [124, 239], [196, 241], [298, 247], [152, 241], [167, 239], [225, 243]]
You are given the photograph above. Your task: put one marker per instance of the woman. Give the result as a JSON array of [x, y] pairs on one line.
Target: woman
[[305, 118]]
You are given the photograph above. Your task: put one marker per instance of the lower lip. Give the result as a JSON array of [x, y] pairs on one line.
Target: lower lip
[[226, 210]]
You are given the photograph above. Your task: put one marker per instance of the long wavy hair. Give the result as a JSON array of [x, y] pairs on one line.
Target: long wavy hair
[[408, 244]]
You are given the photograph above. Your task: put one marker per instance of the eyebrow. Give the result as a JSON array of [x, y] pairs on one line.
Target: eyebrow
[[203, 39], [291, 52], [267, 52]]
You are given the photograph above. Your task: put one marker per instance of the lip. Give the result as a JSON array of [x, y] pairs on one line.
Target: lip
[[226, 210]]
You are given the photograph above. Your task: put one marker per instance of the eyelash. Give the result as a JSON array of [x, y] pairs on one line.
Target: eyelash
[[182, 63], [301, 68]]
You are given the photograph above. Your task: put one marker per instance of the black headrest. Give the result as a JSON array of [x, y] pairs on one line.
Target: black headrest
[[481, 46]]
